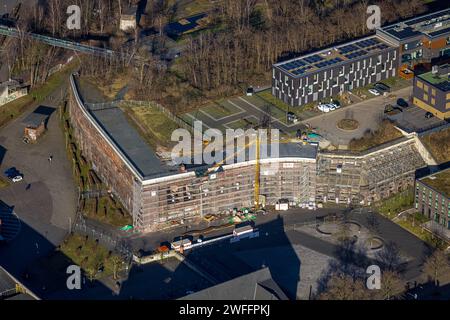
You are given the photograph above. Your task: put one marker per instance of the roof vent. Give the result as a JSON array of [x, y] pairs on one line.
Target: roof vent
[[434, 69]]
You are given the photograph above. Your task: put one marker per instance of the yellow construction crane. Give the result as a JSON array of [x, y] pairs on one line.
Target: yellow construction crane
[[257, 174], [283, 140]]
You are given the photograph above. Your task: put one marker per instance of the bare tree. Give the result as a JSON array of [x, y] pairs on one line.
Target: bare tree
[[345, 287], [436, 266]]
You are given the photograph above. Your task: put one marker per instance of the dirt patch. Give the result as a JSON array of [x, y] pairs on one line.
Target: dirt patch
[[385, 133], [348, 124]]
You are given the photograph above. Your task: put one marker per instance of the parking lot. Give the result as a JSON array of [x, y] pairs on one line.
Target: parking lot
[[241, 112], [368, 113], [412, 119]]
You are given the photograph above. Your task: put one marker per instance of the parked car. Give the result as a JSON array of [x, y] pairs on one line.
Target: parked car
[[17, 178], [402, 103], [429, 115], [292, 117], [375, 92], [324, 108]]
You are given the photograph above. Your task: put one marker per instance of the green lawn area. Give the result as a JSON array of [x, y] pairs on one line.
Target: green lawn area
[[38, 94], [195, 6], [106, 211], [220, 109], [242, 123], [154, 125], [412, 223], [303, 112], [402, 201], [396, 83], [397, 203], [91, 256], [268, 97]]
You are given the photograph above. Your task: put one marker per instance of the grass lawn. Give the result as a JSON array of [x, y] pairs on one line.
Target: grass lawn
[[195, 6], [106, 211], [397, 203], [242, 123], [155, 126], [438, 143], [303, 112], [38, 94], [395, 83], [220, 110], [267, 96], [90, 256], [110, 90], [386, 132], [412, 224]]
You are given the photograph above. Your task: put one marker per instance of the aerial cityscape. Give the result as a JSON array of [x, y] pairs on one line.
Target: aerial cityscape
[[204, 150]]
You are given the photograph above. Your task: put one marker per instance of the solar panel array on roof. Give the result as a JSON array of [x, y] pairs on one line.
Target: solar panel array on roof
[[439, 32], [348, 48], [301, 70], [313, 59], [293, 65], [356, 54], [367, 43], [328, 62]]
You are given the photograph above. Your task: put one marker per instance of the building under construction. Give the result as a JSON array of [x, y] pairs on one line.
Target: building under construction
[[343, 177], [157, 193]]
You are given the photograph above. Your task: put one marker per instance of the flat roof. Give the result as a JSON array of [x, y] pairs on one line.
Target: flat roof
[[439, 181], [257, 285], [38, 116], [323, 59], [430, 25], [185, 24], [439, 81], [129, 141]]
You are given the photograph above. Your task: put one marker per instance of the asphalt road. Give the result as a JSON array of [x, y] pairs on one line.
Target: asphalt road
[[45, 201]]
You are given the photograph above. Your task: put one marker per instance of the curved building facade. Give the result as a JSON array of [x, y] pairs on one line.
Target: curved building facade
[[156, 193]]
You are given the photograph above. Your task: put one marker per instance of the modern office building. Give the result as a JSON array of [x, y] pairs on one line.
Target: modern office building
[[431, 91], [329, 72], [420, 40], [432, 197], [326, 73]]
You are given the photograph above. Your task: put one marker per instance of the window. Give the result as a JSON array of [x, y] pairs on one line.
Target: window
[[419, 85]]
